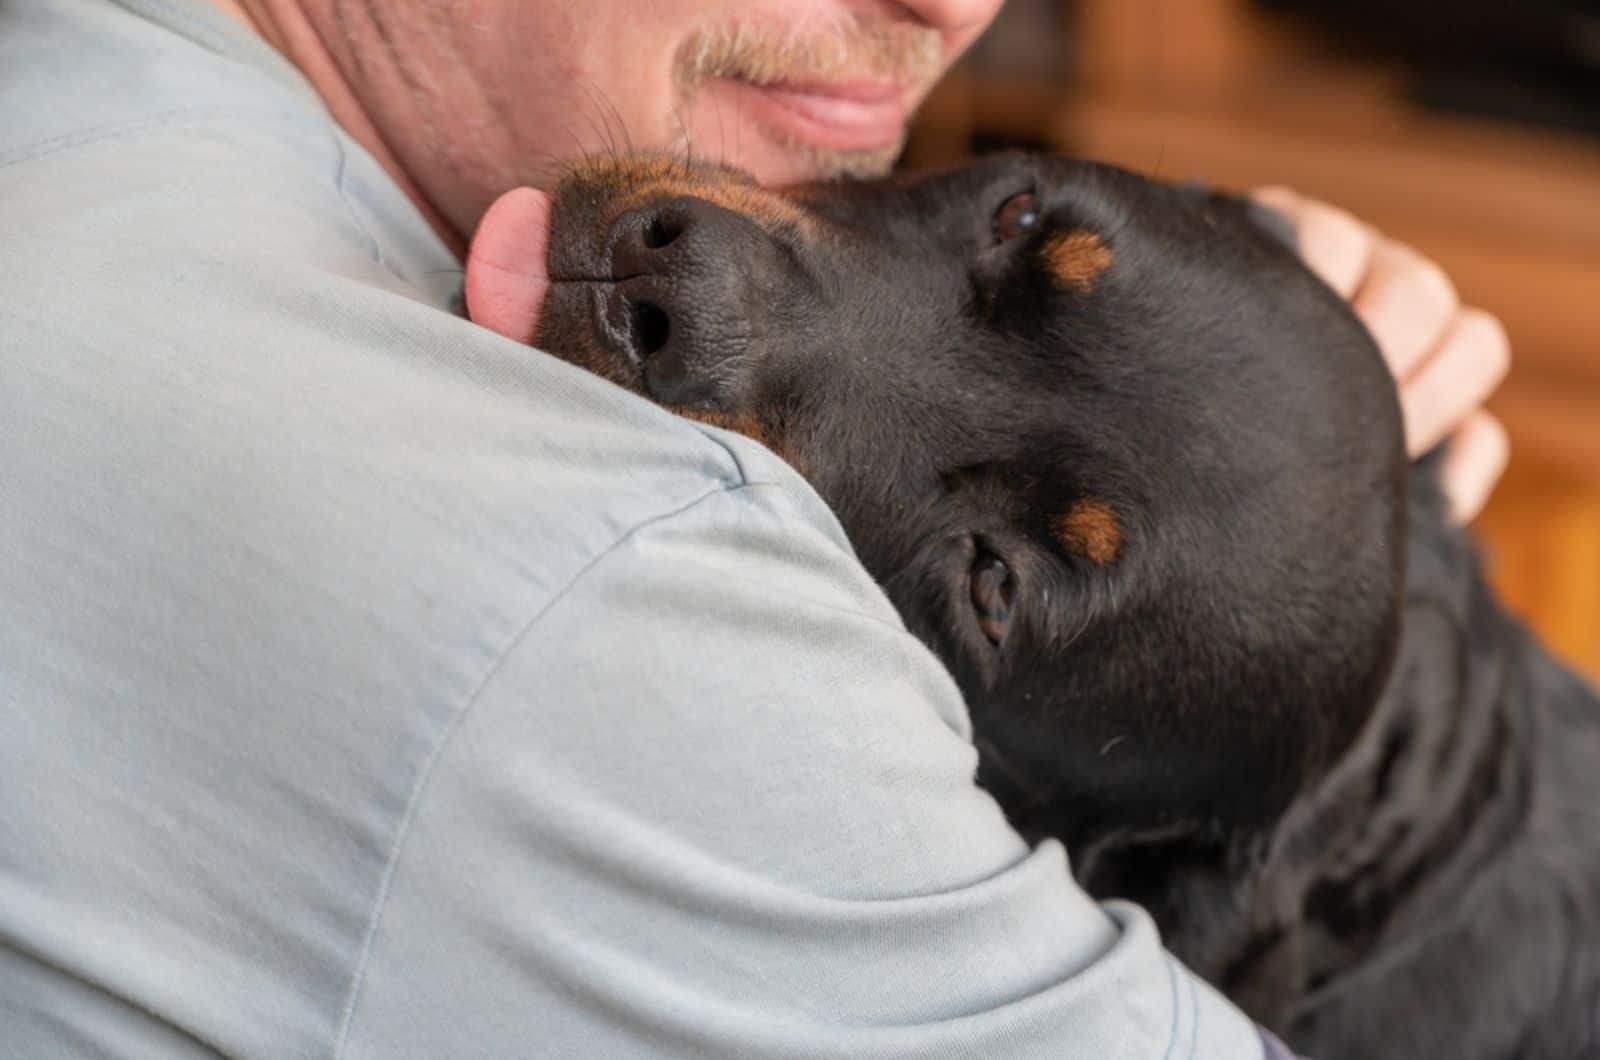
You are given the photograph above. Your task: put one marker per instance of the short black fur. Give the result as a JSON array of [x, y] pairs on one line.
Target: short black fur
[[1138, 478]]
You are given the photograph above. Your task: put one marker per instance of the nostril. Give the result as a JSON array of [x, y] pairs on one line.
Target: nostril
[[651, 327], [661, 232]]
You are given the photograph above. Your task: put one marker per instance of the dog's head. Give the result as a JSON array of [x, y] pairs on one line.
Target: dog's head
[[1131, 471]]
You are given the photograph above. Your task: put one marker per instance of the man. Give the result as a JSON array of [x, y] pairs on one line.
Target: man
[[372, 686]]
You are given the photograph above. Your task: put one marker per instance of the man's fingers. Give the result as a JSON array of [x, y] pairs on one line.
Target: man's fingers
[[1469, 362], [1333, 244], [1473, 463], [1407, 302], [1446, 359]]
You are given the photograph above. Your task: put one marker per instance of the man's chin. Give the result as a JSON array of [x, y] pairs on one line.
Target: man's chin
[[780, 162]]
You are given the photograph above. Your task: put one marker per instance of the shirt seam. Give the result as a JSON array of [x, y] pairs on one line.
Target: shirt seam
[[219, 34], [739, 467], [188, 22], [1174, 988], [1194, 1022], [419, 787], [349, 207], [64, 142], [233, 44]]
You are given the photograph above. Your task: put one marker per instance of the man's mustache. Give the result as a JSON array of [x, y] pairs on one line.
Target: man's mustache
[[852, 49]]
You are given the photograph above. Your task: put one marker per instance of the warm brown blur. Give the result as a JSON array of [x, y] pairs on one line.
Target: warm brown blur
[[1228, 92]]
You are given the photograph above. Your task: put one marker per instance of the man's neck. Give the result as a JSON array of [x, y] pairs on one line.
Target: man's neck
[[284, 25]]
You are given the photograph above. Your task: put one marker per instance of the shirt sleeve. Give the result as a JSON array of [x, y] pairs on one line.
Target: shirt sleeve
[[371, 686], [716, 802]]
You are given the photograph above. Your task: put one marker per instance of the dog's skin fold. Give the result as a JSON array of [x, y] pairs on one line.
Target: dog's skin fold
[[1438, 894], [1138, 478]]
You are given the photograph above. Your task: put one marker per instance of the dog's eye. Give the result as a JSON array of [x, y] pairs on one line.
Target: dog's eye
[[1017, 216], [994, 592]]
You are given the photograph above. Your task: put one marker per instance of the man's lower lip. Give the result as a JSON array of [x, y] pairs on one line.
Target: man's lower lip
[[834, 117]]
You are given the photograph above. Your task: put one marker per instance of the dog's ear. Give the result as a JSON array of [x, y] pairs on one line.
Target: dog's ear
[[507, 276]]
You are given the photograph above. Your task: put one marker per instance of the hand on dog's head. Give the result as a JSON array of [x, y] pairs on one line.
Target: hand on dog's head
[[1131, 471]]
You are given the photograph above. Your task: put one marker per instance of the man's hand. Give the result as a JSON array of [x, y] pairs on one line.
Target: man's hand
[[1448, 358]]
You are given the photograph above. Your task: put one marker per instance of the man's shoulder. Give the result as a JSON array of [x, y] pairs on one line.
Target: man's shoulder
[[79, 71], [252, 353], [246, 316], [257, 563], [271, 517], [234, 402]]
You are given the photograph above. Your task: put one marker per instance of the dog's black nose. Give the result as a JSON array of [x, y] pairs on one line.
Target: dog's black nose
[[687, 303]]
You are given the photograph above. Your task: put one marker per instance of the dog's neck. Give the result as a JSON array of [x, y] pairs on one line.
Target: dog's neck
[[1371, 861], [1364, 868]]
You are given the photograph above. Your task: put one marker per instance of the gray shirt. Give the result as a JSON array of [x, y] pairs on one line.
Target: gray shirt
[[372, 686]]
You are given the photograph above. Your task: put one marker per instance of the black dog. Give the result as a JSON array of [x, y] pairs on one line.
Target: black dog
[[1137, 477]]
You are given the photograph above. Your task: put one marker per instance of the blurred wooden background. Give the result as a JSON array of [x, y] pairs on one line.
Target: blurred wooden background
[[1220, 91]]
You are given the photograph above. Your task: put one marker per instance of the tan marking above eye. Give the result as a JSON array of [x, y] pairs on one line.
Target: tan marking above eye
[[1089, 529], [1077, 259]]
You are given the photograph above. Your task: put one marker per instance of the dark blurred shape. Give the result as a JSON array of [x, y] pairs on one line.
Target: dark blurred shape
[[1026, 42], [1531, 61]]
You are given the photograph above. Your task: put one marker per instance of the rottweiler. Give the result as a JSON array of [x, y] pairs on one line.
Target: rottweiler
[[1137, 477]]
